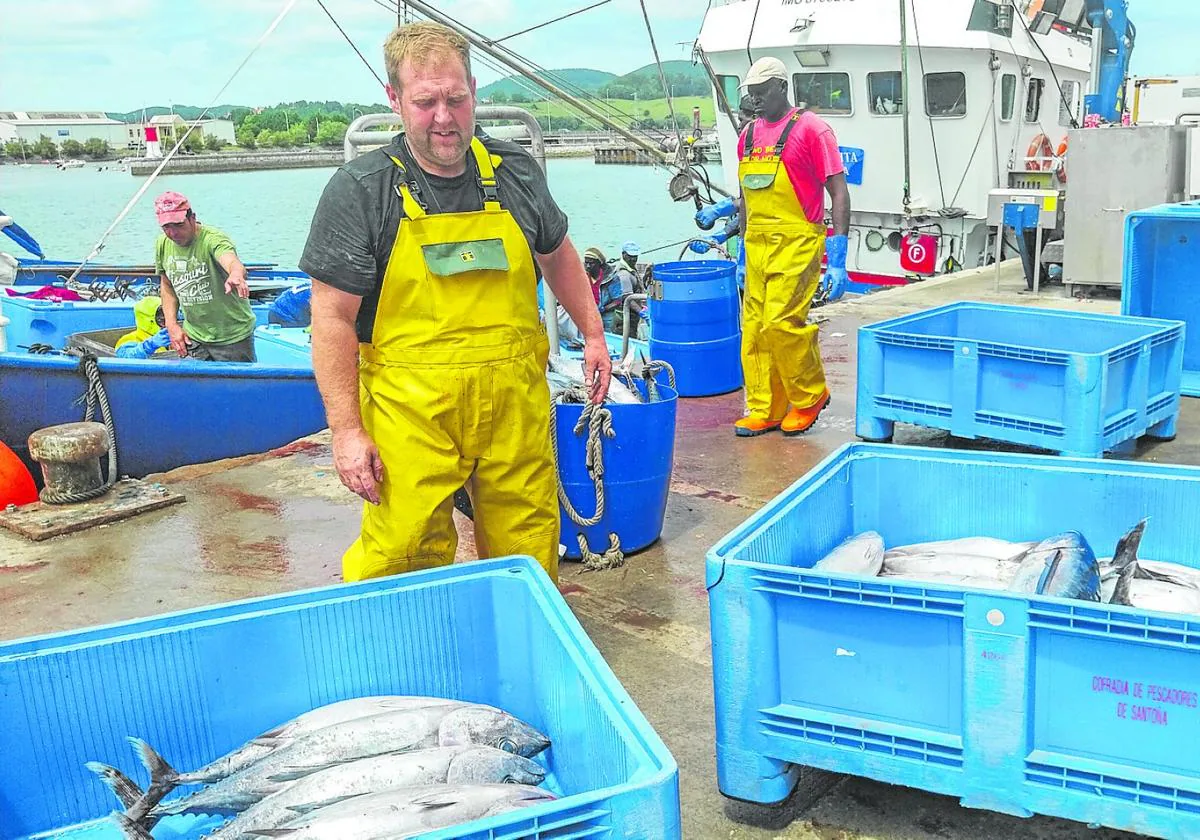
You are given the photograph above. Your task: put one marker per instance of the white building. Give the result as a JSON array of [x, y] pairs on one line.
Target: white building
[[66, 125], [172, 126]]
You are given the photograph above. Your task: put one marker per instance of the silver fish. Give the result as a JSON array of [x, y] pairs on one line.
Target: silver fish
[[444, 765], [967, 546], [391, 732], [165, 778], [407, 812], [563, 373], [990, 582], [949, 564], [1062, 566], [1135, 587], [861, 554]]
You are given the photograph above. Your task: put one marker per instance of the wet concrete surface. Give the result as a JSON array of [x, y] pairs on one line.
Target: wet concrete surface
[[279, 522]]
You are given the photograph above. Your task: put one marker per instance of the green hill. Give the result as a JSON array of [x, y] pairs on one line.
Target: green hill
[[572, 79], [671, 68]]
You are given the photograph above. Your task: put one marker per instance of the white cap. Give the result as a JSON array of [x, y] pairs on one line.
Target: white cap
[[763, 69]]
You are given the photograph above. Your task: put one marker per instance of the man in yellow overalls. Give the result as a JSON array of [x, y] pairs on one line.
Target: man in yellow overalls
[[428, 347], [788, 160]]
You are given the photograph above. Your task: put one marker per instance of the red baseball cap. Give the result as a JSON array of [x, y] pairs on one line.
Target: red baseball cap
[[171, 208]]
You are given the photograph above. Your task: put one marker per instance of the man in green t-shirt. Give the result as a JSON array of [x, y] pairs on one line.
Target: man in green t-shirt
[[202, 274]]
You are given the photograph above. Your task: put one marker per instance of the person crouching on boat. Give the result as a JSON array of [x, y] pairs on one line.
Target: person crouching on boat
[[428, 346], [202, 275], [150, 336], [788, 158]]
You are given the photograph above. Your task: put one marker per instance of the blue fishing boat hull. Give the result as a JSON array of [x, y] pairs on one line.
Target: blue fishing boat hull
[[169, 414]]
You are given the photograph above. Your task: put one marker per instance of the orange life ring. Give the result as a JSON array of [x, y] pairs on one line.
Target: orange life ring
[[16, 484], [1039, 154], [1062, 160]]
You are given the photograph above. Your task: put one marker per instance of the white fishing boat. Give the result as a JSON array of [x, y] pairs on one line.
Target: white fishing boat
[[992, 89]]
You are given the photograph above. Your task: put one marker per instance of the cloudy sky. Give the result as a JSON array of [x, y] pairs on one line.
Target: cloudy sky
[[118, 55]]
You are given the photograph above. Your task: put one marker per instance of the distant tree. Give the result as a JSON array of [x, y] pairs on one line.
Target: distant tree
[[245, 137], [72, 148], [500, 97], [45, 148], [331, 133], [194, 142], [519, 97], [269, 139], [297, 135], [17, 149], [95, 148], [214, 143]]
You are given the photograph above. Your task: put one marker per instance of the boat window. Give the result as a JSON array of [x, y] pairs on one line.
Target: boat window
[[729, 85], [886, 92], [1008, 96], [825, 93], [1068, 106], [1033, 100], [946, 94]]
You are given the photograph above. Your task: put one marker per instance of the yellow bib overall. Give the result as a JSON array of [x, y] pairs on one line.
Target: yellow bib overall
[[453, 392], [781, 360]]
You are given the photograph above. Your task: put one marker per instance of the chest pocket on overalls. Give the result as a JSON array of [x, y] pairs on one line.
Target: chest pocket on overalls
[[758, 180], [452, 259]]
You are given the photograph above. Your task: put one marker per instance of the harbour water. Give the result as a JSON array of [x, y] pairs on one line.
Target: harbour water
[[267, 214]]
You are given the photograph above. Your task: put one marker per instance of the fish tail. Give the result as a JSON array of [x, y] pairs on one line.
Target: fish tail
[[123, 787], [131, 829], [163, 779], [1127, 548]]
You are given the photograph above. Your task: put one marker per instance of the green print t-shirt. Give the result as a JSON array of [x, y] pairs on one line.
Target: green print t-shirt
[[210, 315]]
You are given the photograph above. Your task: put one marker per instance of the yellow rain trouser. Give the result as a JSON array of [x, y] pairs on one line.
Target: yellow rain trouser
[[454, 393], [781, 359]]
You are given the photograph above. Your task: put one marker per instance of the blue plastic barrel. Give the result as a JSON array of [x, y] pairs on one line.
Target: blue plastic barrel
[[637, 473], [696, 325]]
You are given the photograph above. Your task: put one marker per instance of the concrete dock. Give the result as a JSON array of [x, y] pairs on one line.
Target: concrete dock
[[280, 521]]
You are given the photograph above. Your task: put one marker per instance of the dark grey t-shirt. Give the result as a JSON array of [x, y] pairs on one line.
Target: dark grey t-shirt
[[355, 223]]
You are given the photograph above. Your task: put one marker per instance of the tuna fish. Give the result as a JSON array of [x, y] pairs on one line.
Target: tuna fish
[[445, 765], [861, 554], [1062, 566], [984, 547], [1134, 586], [420, 727], [392, 814]]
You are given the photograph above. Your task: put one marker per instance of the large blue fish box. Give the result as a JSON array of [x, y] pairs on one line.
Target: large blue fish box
[[199, 683], [1013, 703], [695, 325], [1162, 250], [637, 473], [51, 322], [1070, 382]]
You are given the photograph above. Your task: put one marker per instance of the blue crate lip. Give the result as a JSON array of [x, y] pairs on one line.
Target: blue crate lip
[[657, 770], [891, 324]]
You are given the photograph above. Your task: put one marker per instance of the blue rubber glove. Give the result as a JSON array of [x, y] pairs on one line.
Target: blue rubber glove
[[836, 279], [706, 217], [159, 341], [700, 246], [741, 267]]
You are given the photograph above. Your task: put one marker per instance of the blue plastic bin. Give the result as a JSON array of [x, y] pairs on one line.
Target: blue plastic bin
[[695, 325], [1162, 252], [1068, 382], [637, 473], [47, 322], [1010, 703], [198, 683]]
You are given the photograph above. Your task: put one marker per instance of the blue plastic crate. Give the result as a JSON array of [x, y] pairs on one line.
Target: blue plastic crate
[[201, 682], [1162, 250], [1007, 702], [48, 322], [1068, 382]]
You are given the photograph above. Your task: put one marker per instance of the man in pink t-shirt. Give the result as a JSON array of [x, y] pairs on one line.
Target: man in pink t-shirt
[[788, 159]]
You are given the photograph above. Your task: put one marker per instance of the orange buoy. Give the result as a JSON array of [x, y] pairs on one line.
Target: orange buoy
[[1062, 162], [1039, 155], [16, 482]]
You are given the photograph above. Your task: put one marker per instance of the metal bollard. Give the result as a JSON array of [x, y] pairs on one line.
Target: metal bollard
[[69, 455]]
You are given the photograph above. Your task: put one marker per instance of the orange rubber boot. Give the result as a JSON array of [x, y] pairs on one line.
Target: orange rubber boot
[[800, 420], [754, 426]]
